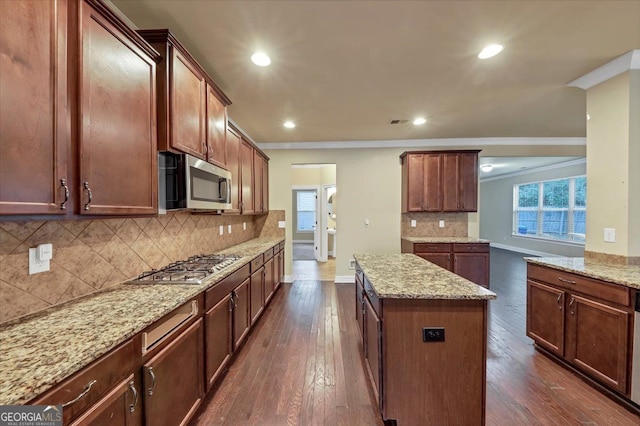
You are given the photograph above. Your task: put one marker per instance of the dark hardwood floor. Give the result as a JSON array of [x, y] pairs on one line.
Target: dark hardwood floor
[[301, 365]]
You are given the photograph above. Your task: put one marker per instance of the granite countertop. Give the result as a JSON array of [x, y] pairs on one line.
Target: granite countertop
[[407, 276], [458, 240], [40, 350], [626, 275]]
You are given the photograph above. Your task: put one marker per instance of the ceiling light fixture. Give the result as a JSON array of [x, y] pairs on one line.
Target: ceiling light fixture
[[260, 59], [418, 121], [490, 51], [289, 124], [486, 168]]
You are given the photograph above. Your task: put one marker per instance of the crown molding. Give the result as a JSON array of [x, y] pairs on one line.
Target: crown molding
[[424, 143], [537, 169], [626, 62]]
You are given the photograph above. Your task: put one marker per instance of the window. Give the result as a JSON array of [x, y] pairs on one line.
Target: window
[[306, 210], [552, 209]]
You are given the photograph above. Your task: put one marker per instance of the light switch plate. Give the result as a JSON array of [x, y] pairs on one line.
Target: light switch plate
[[281, 224], [36, 266], [610, 235], [413, 223], [441, 223], [229, 229], [221, 229], [244, 226], [366, 223]]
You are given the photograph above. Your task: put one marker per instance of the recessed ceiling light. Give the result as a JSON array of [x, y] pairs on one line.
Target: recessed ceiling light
[[486, 168], [261, 59], [418, 121], [490, 51], [289, 124]]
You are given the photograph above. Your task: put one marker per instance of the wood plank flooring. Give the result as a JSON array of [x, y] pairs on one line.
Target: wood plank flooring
[[301, 365]]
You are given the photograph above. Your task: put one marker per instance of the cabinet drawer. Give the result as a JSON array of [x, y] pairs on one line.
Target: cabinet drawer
[[281, 245], [268, 254], [372, 296], [577, 283], [431, 248], [257, 263], [93, 381], [222, 289], [471, 248]]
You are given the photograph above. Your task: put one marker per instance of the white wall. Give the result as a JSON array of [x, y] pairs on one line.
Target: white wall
[[496, 221]]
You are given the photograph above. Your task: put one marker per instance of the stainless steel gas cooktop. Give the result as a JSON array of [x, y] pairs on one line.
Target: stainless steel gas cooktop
[[194, 270]]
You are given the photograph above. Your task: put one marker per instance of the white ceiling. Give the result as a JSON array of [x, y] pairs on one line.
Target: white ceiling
[[342, 69]]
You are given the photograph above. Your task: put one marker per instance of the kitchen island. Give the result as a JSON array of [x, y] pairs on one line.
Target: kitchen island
[[424, 333]]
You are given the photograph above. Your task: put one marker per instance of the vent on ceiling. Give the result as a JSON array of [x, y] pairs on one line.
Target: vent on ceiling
[[398, 121]]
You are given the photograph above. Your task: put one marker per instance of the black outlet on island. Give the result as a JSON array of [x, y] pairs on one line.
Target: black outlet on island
[[433, 334]]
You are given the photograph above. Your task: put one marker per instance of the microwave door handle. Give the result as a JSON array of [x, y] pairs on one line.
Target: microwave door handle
[[228, 190]]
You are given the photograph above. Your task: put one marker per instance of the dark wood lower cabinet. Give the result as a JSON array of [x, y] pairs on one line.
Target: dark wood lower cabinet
[[173, 379], [241, 313], [269, 280], [257, 294], [218, 339], [360, 308], [545, 318], [373, 348], [121, 406], [443, 260]]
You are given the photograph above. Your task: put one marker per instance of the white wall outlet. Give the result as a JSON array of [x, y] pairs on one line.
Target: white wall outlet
[[229, 229], [244, 226], [441, 223], [281, 224], [221, 229], [366, 223], [352, 264], [36, 265], [413, 223], [610, 235]]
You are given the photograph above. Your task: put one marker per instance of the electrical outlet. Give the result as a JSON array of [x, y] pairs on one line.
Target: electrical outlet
[[441, 223], [229, 229], [352, 264], [366, 223], [36, 265], [221, 229], [610, 235], [413, 223], [433, 334], [281, 224]]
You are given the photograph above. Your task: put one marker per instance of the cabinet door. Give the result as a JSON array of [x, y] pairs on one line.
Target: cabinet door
[[281, 273], [257, 297], [258, 205], [431, 192], [265, 185], [472, 266], [360, 308], [118, 163], [187, 107], [443, 260], [241, 313], [120, 407], [246, 171], [269, 279], [468, 178], [373, 347], [233, 165], [546, 316], [218, 339], [173, 379], [216, 129], [413, 179], [450, 182], [35, 132], [598, 341]]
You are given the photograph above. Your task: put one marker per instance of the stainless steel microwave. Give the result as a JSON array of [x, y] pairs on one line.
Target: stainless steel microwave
[[186, 182]]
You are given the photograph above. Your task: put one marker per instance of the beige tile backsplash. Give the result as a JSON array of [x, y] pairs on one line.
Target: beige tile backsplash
[[89, 255], [455, 225]]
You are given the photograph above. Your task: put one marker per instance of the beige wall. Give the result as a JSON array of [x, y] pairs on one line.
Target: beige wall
[[368, 186], [612, 165]]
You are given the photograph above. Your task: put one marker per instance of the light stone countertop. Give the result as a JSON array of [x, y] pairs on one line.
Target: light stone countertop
[[40, 350], [407, 276], [458, 240], [625, 275]]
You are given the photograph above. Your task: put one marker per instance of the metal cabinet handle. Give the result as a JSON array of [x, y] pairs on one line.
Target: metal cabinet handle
[[571, 306], [566, 281], [89, 195], [558, 302], [133, 390], [63, 183], [153, 381], [82, 394]]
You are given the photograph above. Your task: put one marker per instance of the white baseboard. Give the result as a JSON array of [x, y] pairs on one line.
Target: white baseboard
[[523, 250], [288, 279], [345, 279], [301, 241]]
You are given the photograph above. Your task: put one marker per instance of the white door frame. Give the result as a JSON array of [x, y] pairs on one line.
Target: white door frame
[[317, 241], [324, 223]]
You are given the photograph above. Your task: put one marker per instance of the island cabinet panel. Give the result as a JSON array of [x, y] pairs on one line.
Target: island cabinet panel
[[448, 376], [360, 306], [173, 379], [218, 338], [373, 349], [35, 132], [117, 85], [232, 147], [586, 323]]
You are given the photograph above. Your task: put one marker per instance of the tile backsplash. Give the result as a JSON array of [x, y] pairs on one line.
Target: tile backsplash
[[89, 255], [455, 224]]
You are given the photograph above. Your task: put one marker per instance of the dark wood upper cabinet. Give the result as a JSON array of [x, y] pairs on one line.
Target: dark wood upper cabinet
[[257, 182], [216, 128], [436, 181], [35, 129], [246, 177], [232, 148], [265, 185], [117, 118]]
